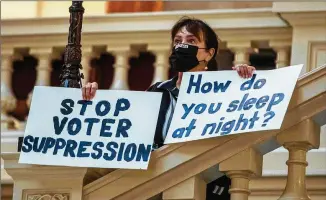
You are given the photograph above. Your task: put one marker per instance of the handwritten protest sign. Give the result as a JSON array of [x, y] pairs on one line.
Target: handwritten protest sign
[[212, 104], [114, 130]]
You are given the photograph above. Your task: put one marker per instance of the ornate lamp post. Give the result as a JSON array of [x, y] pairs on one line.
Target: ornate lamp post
[[70, 75]]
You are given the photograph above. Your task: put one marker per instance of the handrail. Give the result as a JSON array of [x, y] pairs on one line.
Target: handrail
[[308, 100]]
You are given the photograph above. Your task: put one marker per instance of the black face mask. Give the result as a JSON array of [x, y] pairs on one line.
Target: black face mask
[[184, 57]]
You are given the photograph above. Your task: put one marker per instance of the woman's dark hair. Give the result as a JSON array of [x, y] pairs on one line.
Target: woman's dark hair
[[196, 27]]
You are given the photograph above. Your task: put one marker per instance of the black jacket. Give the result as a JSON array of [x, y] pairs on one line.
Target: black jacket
[[169, 98], [217, 189]]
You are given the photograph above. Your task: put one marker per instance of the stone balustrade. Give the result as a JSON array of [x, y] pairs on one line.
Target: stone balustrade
[[122, 54]]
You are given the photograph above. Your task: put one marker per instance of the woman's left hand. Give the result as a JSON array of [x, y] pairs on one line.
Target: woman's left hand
[[244, 70]]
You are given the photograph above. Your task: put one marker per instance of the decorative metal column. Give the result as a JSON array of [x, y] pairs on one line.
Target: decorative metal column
[[71, 76]]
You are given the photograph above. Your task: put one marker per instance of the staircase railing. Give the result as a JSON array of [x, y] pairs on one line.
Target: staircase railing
[[177, 163]]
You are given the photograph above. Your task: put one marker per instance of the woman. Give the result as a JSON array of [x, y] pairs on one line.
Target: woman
[[194, 47]]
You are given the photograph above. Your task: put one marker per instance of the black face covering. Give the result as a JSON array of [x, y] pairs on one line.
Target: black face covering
[[184, 57]]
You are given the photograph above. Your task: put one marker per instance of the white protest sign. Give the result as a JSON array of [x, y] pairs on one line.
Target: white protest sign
[[114, 130], [212, 104]]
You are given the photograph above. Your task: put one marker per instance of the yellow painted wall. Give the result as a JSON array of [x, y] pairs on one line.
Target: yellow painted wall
[[61, 8], [18, 9], [55, 8], [29, 9], [94, 8]]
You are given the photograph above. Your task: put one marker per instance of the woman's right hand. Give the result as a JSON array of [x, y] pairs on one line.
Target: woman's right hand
[[89, 90]]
